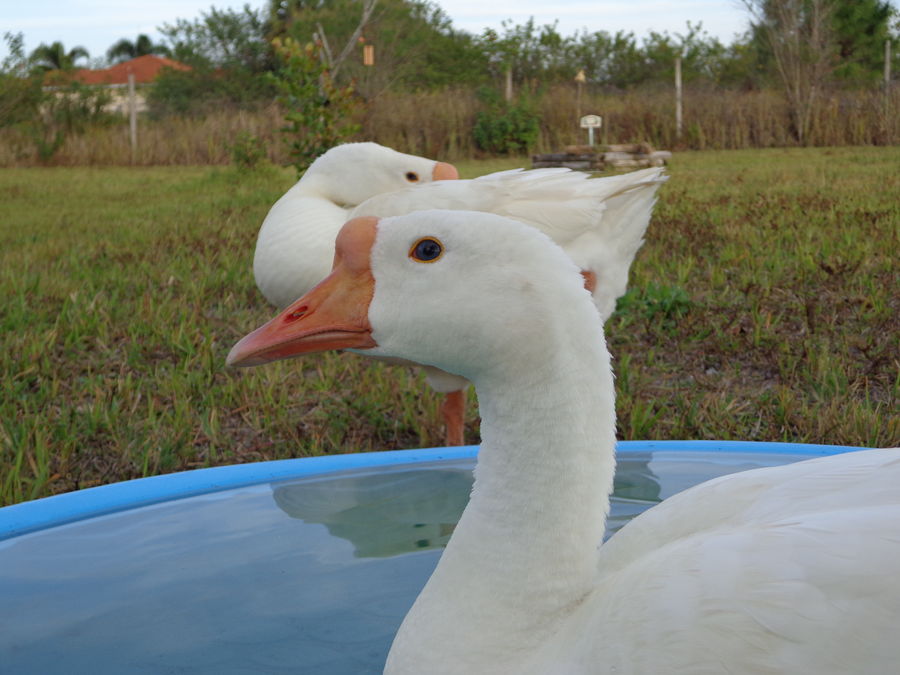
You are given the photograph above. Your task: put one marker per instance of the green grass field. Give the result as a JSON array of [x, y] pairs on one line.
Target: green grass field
[[765, 305]]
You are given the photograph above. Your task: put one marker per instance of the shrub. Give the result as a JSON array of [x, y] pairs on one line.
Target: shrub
[[203, 90], [246, 151], [69, 110], [505, 127], [319, 113]]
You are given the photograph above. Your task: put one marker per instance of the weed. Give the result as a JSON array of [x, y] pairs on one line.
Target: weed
[[246, 151], [655, 303]]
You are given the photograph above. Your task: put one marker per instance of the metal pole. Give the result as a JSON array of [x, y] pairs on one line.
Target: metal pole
[[678, 98], [132, 115]]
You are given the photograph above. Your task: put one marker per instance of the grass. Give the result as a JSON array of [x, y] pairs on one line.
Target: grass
[[763, 306]]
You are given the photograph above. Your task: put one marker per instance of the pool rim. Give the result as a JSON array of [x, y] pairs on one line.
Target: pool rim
[[48, 512]]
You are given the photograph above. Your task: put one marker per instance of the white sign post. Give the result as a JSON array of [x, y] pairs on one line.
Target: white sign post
[[591, 122]]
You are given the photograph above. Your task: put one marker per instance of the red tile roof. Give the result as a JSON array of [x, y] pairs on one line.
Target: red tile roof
[[145, 68]]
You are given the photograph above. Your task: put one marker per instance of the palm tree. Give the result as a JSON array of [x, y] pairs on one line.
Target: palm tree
[[55, 56], [125, 49]]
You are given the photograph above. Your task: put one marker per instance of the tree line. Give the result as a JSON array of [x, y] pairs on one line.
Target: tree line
[[417, 47], [247, 58]]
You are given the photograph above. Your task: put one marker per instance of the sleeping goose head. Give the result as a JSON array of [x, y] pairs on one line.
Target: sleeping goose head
[[351, 173], [461, 291]]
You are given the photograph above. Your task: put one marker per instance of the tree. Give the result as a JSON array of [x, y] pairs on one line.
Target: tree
[[414, 41], [333, 63], [526, 54], [609, 60], [800, 37], [703, 56], [42, 117], [55, 57], [861, 28], [416, 49], [125, 49], [20, 91], [319, 111], [222, 38], [229, 55]]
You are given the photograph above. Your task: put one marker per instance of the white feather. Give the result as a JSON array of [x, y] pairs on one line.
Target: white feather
[[599, 222]]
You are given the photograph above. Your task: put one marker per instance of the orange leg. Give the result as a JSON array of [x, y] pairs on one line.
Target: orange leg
[[453, 410], [590, 280]]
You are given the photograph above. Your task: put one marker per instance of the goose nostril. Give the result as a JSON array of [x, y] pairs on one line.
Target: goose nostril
[[298, 313]]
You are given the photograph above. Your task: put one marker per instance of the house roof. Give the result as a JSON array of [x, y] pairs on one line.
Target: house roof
[[145, 68]]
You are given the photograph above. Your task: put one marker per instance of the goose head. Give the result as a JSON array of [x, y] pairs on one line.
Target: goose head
[[351, 173], [499, 303], [462, 291]]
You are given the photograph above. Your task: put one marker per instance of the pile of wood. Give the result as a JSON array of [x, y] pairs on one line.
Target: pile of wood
[[603, 157]]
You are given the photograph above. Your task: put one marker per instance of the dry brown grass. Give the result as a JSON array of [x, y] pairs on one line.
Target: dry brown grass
[[439, 124]]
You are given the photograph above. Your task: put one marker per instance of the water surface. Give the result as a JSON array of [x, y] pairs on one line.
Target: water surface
[[311, 575]]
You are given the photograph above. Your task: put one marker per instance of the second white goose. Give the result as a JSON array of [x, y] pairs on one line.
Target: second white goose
[[599, 222]]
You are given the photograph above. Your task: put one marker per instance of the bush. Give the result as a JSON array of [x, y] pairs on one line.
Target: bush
[[204, 90], [45, 116], [247, 151], [504, 127]]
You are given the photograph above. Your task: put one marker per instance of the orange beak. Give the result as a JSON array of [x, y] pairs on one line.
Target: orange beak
[[444, 171], [333, 315]]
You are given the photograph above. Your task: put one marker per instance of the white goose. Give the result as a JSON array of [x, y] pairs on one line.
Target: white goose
[[600, 223], [783, 570], [295, 245]]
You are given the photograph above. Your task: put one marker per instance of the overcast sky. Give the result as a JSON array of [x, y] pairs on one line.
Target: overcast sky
[[97, 24]]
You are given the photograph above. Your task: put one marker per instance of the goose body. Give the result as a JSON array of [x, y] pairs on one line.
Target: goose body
[[600, 223], [779, 570]]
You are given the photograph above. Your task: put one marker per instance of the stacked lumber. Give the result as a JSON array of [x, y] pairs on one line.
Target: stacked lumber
[[603, 157]]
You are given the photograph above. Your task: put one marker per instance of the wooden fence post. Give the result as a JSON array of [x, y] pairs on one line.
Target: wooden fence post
[[678, 99], [132, 116], [887, 65]]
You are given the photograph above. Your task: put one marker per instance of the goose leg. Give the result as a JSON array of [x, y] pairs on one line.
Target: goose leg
[[453, 410], [590, 280]]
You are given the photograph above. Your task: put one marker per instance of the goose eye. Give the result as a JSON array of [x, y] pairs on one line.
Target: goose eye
[[426, 250], [412, 176]]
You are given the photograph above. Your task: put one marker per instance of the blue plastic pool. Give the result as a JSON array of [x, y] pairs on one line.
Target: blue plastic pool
[[291, 566]]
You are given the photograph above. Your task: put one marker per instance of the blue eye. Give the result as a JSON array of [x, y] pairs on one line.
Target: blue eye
[[427, 249]]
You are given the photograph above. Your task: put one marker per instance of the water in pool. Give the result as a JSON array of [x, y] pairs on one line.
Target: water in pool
[[308, 576]]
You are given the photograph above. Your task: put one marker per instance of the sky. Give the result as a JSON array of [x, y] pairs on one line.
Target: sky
[[97, 24]]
